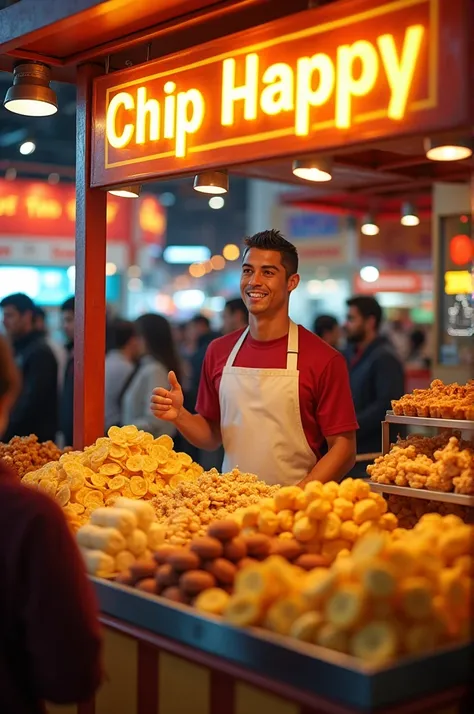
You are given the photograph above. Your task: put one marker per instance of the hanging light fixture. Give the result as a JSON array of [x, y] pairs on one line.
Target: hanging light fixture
[[313, 169], [30, 93], [213, 182], [131, 191], [410, 216], [448, 149], [369, 226]]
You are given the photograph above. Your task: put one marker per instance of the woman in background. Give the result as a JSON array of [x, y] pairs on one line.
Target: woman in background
[[159, 357]]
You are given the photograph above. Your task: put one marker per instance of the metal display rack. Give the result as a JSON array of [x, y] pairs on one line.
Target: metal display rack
[[454, 424]]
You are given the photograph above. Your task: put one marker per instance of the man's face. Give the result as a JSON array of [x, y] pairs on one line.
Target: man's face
[[356, 325], [68, 324], [264, 286], [16, 324]]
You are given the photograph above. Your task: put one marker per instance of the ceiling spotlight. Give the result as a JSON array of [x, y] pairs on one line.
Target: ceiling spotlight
[[315, 169], [452, 149], [409, 215], [27, 148], [369, 226], [216, 202], [30, 93], [211, 182], [369, 274], [131, 191]]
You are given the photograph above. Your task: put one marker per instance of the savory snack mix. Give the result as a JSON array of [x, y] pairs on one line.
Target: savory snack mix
[[440, 401], [24, 454]]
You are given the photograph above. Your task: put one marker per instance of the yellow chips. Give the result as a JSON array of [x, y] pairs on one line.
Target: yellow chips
[[128, 462]]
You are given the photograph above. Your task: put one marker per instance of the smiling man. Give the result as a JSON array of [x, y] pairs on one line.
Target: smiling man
[[274, 394]]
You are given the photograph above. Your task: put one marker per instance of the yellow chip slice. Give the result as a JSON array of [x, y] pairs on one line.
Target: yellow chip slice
[[175, 480], [166, 441], [99, 481], [116, 436], [102, 441], [48, 485], [81, 494], [134, 464], [138, 486], [117, 483], [147, 439], [184, 459], [110, 469], [93, 499], [111, 499], [155, 488], [129, 432], [126, 492], [159, 453], [149, 464], [76, 508], [118, 452], [171, 468], [63, 495]]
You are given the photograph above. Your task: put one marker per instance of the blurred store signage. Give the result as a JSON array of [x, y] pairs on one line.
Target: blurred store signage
[[395, 282], [458, 282], [315, 80], [15, 250], [37, 209]]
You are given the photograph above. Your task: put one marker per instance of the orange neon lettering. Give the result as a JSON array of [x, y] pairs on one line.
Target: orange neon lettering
[[400, 71], [147, 109], [306, 96], [278, 95], [247, 92], [125, 100], [347, 86], [185, 123]]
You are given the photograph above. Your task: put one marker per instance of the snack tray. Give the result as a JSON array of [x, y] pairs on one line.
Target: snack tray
[[461, 424], [310, 672], [459, 499]]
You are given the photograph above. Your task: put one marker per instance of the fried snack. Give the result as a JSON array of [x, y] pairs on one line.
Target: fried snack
[[128, 463], [191, 506], [421, 465], [440, 401], [25, 454], [408, 511], [323, 520]]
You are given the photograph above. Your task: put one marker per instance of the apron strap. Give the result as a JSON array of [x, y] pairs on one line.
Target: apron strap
[[292, 354], [237, 347]]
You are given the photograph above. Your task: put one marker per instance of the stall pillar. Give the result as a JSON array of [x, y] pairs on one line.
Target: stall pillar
[[90, 308]]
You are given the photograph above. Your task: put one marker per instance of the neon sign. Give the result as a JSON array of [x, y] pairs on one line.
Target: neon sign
[[315, 80]]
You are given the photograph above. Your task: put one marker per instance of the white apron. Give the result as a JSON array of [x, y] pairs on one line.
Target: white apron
[[261, 426]]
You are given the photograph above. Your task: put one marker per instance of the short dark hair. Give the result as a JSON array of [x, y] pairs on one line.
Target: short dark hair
[[274, 240], [237, 305], [201, 320], [368, 307], [68, 305], [323, 324], [39, 312], [20, 302], [123, 331]]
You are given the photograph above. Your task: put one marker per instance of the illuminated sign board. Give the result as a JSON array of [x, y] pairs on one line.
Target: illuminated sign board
[[313, 81]]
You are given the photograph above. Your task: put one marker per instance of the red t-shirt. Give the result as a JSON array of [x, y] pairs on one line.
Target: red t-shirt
[[325, 395]]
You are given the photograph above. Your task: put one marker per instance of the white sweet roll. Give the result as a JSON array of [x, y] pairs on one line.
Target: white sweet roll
[[124, 560], [156, 535], [109, 540], [143, 511], [137, 542], [122, 519], [98, 563]]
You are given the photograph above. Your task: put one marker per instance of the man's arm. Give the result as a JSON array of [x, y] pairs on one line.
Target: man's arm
[[58, 611], [389, 384], [200, 432], [338, 461]]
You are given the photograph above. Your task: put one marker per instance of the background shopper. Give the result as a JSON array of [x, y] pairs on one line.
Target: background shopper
[[35, 410], [327, 328], [376, 373], [66, 402], [49, 632], [121, 365], [159, 357], [235, 316]]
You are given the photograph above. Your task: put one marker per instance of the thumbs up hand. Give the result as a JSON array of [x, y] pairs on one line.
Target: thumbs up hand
[[166, 404]]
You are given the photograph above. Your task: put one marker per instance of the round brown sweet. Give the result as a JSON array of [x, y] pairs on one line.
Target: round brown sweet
[[235, 549], [223, 570], [174, 593], [206, 547], [162, 553], [166, 576], [125, 578], [194, 582], [147, 585], [223, 530], [143, 569], [289, 549], [245, 562], [308, 561], [258, 545], [183, 560]]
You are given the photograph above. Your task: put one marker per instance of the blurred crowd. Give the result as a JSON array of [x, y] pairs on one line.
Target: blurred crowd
[[141, 353]]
